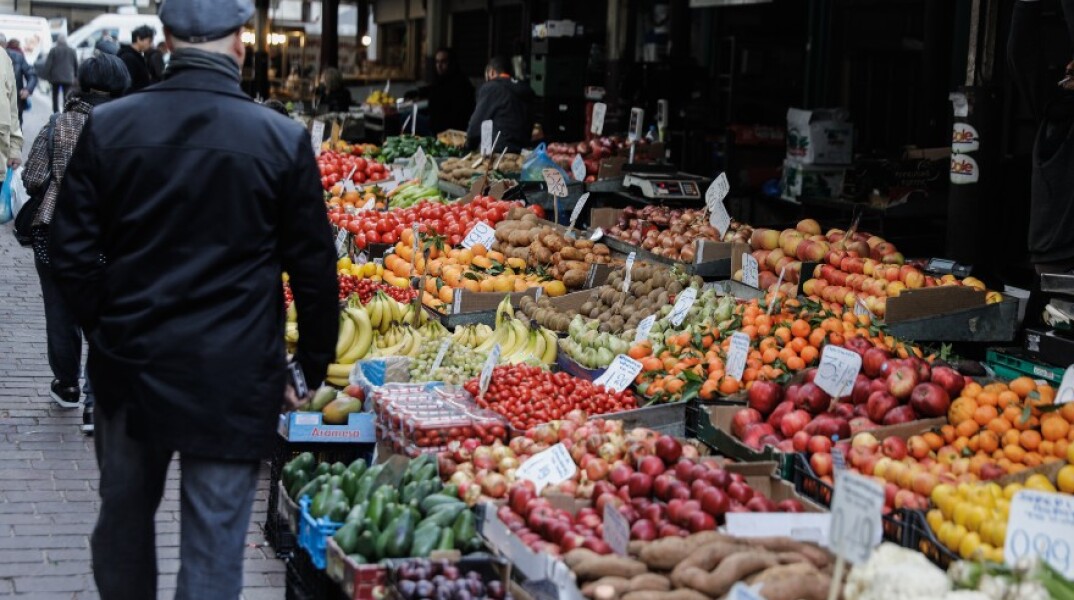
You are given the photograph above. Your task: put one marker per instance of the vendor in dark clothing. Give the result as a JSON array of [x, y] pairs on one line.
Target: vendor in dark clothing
[[505, 100], [1051, 220], [332, 95], [450, 96]]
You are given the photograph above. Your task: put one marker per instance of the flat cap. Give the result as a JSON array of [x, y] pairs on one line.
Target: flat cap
[[198, 21]]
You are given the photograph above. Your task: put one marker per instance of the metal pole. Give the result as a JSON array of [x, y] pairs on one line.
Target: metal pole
[[261, 33], [329, 34]]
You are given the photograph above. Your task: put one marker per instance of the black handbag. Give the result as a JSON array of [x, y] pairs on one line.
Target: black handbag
[[25, 219]]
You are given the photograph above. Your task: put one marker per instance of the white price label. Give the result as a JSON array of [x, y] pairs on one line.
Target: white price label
[[486, 370], [737, 354], [387, 86], [420, 159], [596, 127], [682, 305], [620, 374], [486, 137], [837, 371], [553, 180], [548, 467], [341, 243], [481, 233], [718, 190], [741, 591], [597, 234], [720, 220], [644, 328], [350, 178], [317, 136], [616, 529], [444, 345], [860, 309], [856, 505], [750, 270], [578, 168], [371, 203], [416, 250], [1041, 525], [839, 461], [627, 269], [637, 120], [1066, 387], [578, 206]]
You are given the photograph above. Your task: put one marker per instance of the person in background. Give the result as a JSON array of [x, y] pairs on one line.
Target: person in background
[[171, 256], [450, 96], [1051, 219], [106, 45], [61, 71], [277, 106], [154, 57], [133, 55], [10, 130], [25, 74], [100, 79], [504, 100], [332, 95]]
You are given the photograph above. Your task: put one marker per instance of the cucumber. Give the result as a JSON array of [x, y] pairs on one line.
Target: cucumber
[[435, 500]]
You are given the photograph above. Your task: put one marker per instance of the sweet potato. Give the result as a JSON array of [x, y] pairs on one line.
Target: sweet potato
[[578, 556], [815, 554], [800, 581], [621, 585], [732, 569], [682, 594], [650, 581], [605, 566], [664, 554], [707, 557]]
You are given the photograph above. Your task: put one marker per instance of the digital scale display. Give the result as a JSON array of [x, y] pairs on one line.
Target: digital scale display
[[663, 188]]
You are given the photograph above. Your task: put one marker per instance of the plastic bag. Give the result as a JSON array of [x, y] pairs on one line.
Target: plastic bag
[[19, 196], [6, 214], [538, 161]]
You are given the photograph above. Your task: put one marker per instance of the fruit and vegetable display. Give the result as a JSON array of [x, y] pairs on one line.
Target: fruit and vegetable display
[[450, 221], [589, 347], [405, 146], [463, 170], [335, 167], [424, 419], [411, 192], [429, 579], [672, 233], [521, 235]]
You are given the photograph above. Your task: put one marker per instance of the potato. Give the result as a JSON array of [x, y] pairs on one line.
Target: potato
[[731, 569], [650, 581], [575, 278], [577, 556]]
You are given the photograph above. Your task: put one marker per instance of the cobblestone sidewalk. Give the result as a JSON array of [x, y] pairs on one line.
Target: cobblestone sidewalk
[[48, 474]]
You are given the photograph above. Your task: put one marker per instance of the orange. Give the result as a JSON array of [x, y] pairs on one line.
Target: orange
[[961, 410], [810, 354], [933, 439], [1032, 459], [783, 333], [1023, 386], [800, 328], [987, 398], [769, 356], [948, 433], [1014, 452], [1011, 437], [768, 342], [971, 390], [1067, 412], [999, 425], [1007, 398], [967, 428], [995, 387], [984, 413], [1054, 427], [1061, 449], [1046, 448], [1030, 440], [817, 337], [729, 385], [795, 363], [1047, 394], [1012, 414], [798, 344], [988, 441]]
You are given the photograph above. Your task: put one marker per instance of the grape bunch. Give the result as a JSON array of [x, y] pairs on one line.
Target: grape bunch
[[459, 364]]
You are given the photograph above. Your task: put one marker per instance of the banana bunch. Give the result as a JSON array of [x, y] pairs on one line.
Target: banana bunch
[[353, 344], [408, 314], [380, 97], [472, 335], [518, 342], [385, 310]]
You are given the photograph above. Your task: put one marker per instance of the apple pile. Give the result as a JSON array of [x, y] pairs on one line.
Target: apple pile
[[672, 232], [887, 391], [907, 482]]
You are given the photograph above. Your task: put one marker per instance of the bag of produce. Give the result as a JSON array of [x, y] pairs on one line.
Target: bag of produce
[[538, 161]]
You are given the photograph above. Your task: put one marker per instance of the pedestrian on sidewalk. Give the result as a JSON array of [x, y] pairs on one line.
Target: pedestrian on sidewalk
[[100, 79], [61, 71], [25, 74], [10, 130], [182, 207]]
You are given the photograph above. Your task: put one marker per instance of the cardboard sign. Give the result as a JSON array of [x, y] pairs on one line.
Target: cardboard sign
[[646, 325], [548, 467], [481, 233], [1066, 387], [486, 137], [737, 354], [837, 371], [578, 206], [486, 370], [627, 270], [616, 529], [553, 180], [750, 270], [578, 168], [620, 374], [444, 345], [317, 136], [600, 109], [682, 306], [856, 528], [1041, 525]]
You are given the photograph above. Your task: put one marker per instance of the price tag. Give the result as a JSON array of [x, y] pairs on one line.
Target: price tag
[[856, 505], [646, 325], [837, 371], [627, 270], [616, 529], [720, 220], [444, 345], [741, 591], [860, 309], [620, 374], [718, 190], [549, 467], [1066, 387], [553, 180], [416, 250], [371, 203], [839, 462], [578, 206], [737, 354], [486, 370], [750, 270], [481, 233], [419, 161], [341, 243], [637, 119], [387, 86], [317, 136], [597, 234], [682, 305], [1041, 525], [348, 185], [596, 126], [486, 137], [578, 168]]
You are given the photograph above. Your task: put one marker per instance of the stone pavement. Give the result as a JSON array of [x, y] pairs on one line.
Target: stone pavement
[[48, 473]]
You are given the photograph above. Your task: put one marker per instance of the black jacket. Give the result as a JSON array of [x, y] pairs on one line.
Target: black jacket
[[137, 66], [1051, 218], [506, 102], [25, 73], [451, 102], [170, 238]]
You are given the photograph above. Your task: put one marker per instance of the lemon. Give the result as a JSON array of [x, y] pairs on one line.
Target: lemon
[[344, 264], [1066, 479], [977, 515], [935, 519], [954, 537], [1040, 483], [943, 490], [994, 490], [947, 506], [1012, 489], [995, 555], [999, 534], [962, 513]]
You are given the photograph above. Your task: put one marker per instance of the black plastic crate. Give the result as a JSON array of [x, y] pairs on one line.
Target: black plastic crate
[[693, 416], [277, 532], [922, 538], [307, 582]]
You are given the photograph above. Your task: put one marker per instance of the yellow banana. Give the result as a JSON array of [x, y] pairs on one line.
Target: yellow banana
[[363, 337], [338, 381], [346, 335], [339, 370], [551, 347]]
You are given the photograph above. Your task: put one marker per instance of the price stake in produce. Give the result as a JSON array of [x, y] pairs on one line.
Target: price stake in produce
[[1041, 525], [444, 345], [317, 136], [646, 325], [578, 206], [775, 294], [597, 234], [714, 196], [414, 119], [837, 371], [627, 269], [620, 374], [341, 243], [682, 305], [1066, 387], [486, 369], [486, 137], [750, 270], [856, 505], [737, 354], [578, 168], [500, 159], [481, 233], [416, 249], [616, 529], [548, 467], [596, 127]]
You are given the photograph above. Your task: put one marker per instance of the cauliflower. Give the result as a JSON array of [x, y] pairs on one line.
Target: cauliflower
[[895, 573]]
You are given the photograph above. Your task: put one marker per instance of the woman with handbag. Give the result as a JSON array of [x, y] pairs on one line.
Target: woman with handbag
[[100, 78]]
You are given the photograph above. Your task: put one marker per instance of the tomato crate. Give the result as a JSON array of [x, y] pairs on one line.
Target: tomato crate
[[922, 538], [1010, 363], [806, 483]]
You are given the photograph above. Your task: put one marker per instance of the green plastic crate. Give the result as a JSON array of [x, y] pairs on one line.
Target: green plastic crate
[[1010, 363]]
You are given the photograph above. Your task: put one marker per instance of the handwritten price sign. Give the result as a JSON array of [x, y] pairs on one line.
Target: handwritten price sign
[[341, 243], [553, 180], [646, 325], [600, 109], [620, 374], [737, 354], [486, 137], [481, 233], [626, 271], [616, 529], [856, 506], [750, 270], [317, 136], [837, 371], [578, 206], [682, 305], [444, 345], [1041, 525], [578, 168], [549, 467], [486, 370]]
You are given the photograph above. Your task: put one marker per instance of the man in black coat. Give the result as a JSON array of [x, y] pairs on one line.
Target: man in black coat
[[450, 95], [170, 239], [134, 56], [505, 100]]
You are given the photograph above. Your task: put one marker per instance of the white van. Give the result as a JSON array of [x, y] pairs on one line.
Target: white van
[[33, 33], [119, 27]]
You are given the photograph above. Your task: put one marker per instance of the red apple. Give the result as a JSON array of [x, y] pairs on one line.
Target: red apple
[[861, 390], [620, 474], [640, 485], [791, 505], [714, 501], [763, 396], [668, 449], [813, 399], [949, 380], [930, 400], [819, 443], [740, 492], [821, 464], [662, 485], [776, 418], [684, 470], [878, 405], [643, 529], [794, 422], [901, 382], [700, 521], [900, 414], [651, 466], [873, 360], [829, 426], [801, 441], [761, 504], [743, 418], [894, 448]]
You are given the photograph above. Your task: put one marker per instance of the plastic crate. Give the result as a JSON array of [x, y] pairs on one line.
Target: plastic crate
[[357, 582], [305, 582], [313, 533], [920, 537], [1010, 363]]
